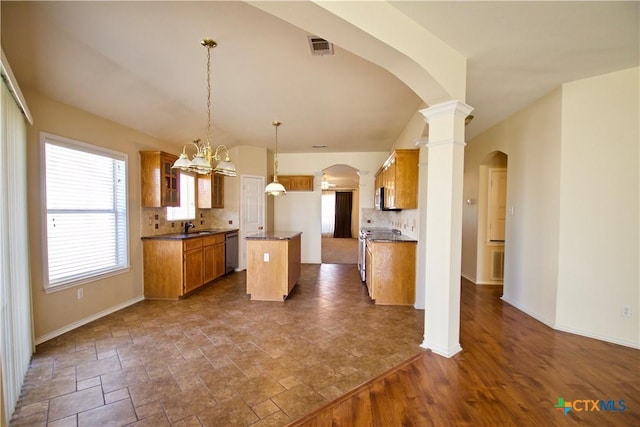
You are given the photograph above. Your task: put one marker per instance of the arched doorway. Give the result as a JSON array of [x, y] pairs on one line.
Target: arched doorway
[[340, 215]]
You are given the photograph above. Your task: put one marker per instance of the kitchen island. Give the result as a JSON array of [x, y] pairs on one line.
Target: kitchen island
[[273, 264]]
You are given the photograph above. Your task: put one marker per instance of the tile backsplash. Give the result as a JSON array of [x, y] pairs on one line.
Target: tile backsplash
[[405, 220], [154, 221]]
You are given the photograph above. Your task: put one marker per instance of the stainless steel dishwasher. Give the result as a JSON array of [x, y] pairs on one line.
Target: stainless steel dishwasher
[[231, 252]]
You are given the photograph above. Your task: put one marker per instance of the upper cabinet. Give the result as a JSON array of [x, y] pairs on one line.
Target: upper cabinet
[[399, 177], [160, 184], [210, 191], [296, 182]]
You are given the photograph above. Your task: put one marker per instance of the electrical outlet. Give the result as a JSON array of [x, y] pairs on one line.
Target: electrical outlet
[[266, 257], [626, 311], [80, 293]]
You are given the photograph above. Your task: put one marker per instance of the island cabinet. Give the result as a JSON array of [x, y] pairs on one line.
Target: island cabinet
[[390, 272], [160, 184], [273, 265], [177, 264]]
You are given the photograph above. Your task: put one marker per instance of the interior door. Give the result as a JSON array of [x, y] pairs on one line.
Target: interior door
[[252, 212], [497, 204]]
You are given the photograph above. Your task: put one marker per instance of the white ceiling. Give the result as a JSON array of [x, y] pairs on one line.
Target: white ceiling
[[141, 64]]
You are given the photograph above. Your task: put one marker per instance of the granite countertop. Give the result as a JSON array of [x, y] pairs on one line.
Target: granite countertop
[[191, 235], [273, 235], [390, 237]]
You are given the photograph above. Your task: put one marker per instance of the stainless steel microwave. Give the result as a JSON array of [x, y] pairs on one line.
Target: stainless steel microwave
[[379, 201]]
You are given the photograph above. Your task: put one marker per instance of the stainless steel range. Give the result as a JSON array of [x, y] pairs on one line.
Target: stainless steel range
[[362, 245]]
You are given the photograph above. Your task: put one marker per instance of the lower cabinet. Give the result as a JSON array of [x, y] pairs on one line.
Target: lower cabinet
[[175, 267], [390, 272], [213, 252]]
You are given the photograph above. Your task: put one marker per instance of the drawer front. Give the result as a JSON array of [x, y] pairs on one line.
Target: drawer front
[[192, 244], [212, 240]]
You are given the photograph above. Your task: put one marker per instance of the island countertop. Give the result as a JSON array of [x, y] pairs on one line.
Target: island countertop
[[273, 235], [190, 235]]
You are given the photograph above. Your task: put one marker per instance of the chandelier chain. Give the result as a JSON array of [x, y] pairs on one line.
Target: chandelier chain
[[208, 95]]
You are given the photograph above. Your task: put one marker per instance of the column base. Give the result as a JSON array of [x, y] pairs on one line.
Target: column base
[[440, 351]]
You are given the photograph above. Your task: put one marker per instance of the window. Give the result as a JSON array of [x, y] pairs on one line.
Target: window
[[86, 212], [187, 209]]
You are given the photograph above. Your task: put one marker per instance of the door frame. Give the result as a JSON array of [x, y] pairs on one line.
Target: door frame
[[242, 264]]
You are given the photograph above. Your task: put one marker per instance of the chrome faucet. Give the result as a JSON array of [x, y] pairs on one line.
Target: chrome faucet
[[187, 226]]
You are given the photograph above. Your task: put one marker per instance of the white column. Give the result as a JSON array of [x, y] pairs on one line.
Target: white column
[[443, 231]]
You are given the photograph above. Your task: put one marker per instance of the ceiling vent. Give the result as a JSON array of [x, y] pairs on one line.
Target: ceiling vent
[[320, 46]]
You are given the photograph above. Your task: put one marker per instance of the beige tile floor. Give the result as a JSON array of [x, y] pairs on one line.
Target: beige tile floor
[[218, 359]]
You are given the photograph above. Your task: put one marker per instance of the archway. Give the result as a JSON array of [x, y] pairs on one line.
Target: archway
[[340, 215]]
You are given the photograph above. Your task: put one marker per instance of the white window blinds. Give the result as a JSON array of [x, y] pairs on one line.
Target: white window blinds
[[86, 220]]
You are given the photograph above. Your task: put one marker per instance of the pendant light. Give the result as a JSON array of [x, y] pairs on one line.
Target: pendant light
[[201, 162], [275, 188]]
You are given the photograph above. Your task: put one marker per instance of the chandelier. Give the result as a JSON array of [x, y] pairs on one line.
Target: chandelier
[[205, 155], [275, 188]]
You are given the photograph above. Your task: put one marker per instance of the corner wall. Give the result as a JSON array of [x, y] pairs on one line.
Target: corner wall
[[573, 240], [531, 139], [599, 208]]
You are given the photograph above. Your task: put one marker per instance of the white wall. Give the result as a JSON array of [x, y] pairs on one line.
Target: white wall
[[300, 211], [599, 213]]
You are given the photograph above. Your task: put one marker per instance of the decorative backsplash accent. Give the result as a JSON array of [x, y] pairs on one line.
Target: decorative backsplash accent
[[154, 221]]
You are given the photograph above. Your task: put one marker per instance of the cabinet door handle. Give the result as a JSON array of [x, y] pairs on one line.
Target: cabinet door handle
[[260, 228]]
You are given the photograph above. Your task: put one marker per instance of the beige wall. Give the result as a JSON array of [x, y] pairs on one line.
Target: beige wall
[[59, 311], [572, 242], [531, 140], [599, 241]]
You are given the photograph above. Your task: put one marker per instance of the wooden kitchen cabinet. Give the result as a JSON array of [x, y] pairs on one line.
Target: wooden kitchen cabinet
[[296, 182], [399, 177], [214, 257], [174, 267], [368, 269], [160, 184], [273, 264], [210, 191], [390, 272], [193, 268]]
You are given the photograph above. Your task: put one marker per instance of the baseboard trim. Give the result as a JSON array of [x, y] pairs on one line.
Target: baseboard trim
[[74, 325], [533, 314], [469, 278], [444, 352], [599, 337], [570, 330]]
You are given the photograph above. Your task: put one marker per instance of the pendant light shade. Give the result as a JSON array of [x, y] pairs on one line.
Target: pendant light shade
[[275, 188], [204, 156]]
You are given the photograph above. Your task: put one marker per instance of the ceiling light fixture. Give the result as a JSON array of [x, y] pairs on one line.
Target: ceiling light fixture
[[201, 162], [275, 188]]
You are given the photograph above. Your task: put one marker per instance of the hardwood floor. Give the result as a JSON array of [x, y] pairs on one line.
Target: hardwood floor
[[512, 371]]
